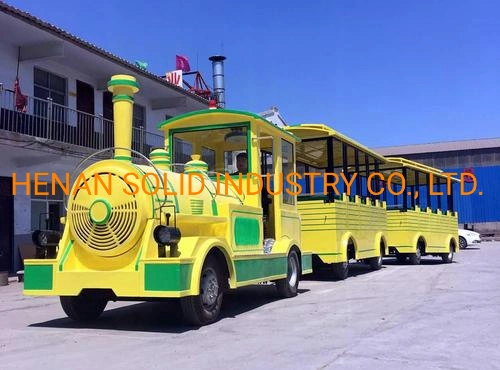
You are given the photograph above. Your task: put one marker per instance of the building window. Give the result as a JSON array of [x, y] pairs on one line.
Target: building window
[[49, 85], [46, 210], [139, 116]]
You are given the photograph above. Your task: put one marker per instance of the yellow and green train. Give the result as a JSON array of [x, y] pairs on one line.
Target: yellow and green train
[[211, 211], [150, 238]]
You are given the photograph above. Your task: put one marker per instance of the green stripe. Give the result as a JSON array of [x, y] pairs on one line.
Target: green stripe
[[123, 82], [38, 277], [252, 269], [160, 161], [158, 154], [65, 255], [138, 258], [122, 157], [121, 97], [167, 277], [248, 213], [306, 262], [215, 212]]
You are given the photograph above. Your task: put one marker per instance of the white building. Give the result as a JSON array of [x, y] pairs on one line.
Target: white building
[[68, 114]]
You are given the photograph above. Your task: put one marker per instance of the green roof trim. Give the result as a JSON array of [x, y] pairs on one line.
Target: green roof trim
[[228, 111]]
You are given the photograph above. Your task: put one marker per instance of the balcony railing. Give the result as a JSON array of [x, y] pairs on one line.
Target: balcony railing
[[43, 118]]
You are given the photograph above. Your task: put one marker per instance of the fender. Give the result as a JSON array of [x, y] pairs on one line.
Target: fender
[[451, 238], [415, 241], [344, 242], [381, 237], [201, 248], [284, 244]]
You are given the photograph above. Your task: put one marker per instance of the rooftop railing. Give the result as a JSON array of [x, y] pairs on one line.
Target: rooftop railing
[[42, 118]]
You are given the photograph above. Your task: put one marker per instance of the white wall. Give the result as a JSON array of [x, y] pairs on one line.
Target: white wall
[[22, 213], [8, 65]]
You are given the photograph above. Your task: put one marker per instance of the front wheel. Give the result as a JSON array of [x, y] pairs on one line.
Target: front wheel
[[289, 286], [204, 308], [462, 242], [84, 307]]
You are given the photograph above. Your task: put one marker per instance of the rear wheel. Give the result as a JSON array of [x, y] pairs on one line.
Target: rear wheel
[[341, 270], [462, 242], [87, 306], [416, 257], [448, 257], [288, 287], [375, 262], [204, 308]]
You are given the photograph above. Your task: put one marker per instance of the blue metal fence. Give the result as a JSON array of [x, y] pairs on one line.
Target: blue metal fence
[[476, 208]]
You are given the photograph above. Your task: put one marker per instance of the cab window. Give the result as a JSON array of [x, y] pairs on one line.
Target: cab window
[[223, 149]]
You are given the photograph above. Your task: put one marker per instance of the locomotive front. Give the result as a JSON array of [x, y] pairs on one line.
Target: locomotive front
[[127, 233]]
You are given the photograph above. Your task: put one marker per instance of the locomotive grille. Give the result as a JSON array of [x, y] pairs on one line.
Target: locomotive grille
[[115, 223], [110, 235]]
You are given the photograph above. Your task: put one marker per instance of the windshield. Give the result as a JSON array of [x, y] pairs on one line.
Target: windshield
[[223, 149]]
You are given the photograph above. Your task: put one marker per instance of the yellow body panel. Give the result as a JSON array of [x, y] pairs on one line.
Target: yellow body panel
[[437, 230], [328, 227]]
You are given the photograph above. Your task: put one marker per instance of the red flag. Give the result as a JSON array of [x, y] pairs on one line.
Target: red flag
[[466, 177], [182, 62], [20, 98]]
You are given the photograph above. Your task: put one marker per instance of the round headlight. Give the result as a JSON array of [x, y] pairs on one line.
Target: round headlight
[[165, 235]]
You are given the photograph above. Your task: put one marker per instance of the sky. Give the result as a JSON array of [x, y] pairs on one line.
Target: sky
[[383, 72]]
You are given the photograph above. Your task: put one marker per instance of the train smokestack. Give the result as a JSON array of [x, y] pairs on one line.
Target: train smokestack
[[218, 75], [123, 88]]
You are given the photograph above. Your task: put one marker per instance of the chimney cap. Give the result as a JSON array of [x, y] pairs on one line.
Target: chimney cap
[[217, 58]]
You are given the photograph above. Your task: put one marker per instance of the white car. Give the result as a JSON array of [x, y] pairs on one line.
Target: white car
[[468, 237]]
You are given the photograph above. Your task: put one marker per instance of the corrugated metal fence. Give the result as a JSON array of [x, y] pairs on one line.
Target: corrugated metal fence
[[476, 208]]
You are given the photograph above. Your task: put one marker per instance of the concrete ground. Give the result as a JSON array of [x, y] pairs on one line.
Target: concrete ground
[[401, 317]]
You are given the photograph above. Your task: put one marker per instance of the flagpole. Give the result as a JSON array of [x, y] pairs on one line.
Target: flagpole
[[18, 58]]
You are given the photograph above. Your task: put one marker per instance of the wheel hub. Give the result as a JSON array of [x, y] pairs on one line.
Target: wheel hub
[[294, 272], [209, 288]]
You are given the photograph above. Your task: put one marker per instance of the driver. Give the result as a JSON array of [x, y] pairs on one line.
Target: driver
[[241, 164]]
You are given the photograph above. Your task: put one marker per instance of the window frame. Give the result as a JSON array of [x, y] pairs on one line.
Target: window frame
[[245, 124]]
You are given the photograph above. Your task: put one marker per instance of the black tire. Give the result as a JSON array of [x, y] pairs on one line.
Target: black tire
[[85, 307], [401, 258], [448, 257], [204, 308], [289, 286], [415, 258], [376, 262], [341, 270], [463, 242]]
